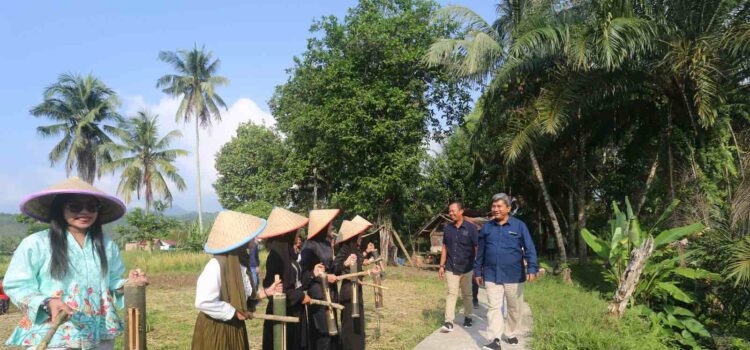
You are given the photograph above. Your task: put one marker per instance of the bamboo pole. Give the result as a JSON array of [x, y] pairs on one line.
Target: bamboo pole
[[355, 291], [61, 318], [326, 303], [330, 314], [352, 275], [135, 323], [401, 245], [285, 319], [372, 285], [279, 328]]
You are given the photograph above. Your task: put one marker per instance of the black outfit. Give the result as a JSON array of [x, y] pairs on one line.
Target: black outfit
[[281, 261], [318, 250], [352, 329]]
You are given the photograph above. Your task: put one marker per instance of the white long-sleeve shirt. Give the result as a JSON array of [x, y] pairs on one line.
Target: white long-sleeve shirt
[[207, 292]]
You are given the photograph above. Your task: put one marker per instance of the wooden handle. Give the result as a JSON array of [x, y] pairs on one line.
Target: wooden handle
[[61, 318], [353, 275]]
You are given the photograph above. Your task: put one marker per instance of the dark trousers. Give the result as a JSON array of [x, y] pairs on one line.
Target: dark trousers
[[474, 291]]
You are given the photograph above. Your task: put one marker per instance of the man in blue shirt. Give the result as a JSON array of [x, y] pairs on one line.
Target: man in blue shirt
[[457, 258], [504, 244]]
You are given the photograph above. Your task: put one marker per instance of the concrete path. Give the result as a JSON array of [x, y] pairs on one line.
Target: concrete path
[[475, 337]]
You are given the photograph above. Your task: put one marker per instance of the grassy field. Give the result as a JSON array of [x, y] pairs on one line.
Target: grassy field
[[565, 316]]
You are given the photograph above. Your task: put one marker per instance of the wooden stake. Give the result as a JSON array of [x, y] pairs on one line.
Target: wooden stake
[[285, 319], [355, 290], [352, 275], [372, 285], [326, 303], [401, 245]]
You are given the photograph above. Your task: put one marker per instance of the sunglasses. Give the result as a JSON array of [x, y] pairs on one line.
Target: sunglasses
[[77, 207]]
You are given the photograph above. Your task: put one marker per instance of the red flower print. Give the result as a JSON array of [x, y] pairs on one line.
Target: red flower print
[[91, 290], [25, 323], [73, 304]]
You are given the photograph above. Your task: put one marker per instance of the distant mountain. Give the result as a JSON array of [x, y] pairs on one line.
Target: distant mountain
[[10, 227]]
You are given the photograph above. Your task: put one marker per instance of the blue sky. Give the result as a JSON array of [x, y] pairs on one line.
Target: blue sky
[[118, 41]]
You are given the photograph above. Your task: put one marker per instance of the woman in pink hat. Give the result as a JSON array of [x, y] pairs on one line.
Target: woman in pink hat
[[71, 268]]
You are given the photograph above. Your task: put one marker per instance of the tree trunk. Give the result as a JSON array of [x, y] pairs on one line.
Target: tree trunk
[[630, 277], [669, 156], [649, 182], [198, 174], [572, 224], [386, 239], [552, 215], [581, 196]]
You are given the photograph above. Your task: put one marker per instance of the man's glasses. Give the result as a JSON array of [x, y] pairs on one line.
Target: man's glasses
[[77, 207]]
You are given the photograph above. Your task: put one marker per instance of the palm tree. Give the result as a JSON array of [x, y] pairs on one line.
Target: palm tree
[[195, 82], [481, 55], [145, 160], [80, 107]]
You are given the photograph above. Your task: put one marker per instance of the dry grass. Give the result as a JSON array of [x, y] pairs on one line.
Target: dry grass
[[413, 309]]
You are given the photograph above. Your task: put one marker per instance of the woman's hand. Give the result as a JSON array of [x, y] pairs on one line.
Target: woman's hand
[[137, 276], [318, 270], [307, 299], [375, 270], [240, 316], [332, 278], [56, 306], [275, 288], [350, 260]]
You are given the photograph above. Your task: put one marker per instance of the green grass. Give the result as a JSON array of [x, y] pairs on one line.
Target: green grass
[[568, 317], [165, 262], [4, 261]]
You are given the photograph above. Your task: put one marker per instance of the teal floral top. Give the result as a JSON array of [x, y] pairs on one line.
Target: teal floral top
[[85, 289]]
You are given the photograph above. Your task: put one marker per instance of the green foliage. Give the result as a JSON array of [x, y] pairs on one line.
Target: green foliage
[[258, 208], [145, 226], [739, 265], [32, 225], [145, 159], [84, 110], [257, 165], [359, 103]]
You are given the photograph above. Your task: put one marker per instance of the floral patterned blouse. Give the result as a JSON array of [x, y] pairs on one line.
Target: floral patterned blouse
[[85, 289]]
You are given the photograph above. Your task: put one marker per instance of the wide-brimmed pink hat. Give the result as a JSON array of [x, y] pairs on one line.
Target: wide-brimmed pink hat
[[38, 205]]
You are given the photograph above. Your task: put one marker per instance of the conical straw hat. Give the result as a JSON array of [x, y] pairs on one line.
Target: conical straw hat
[[360, 220], [38, 205], [282, 221], [319, 219], [232, 230], [350, 229]]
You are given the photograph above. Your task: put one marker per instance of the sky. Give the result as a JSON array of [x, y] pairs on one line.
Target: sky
[[118, 42]]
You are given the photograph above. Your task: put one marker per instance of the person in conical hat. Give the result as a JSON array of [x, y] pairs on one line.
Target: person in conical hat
[[282, 261], [349, 238], [225, 285], [317, 257], [72, 267]]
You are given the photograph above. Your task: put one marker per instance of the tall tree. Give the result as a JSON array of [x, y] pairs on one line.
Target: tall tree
[[257, 165], [82, 109], [195, 83], [145, 159], [358, 105]]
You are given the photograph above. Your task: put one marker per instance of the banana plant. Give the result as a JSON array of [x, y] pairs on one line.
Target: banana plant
[[658, 293]]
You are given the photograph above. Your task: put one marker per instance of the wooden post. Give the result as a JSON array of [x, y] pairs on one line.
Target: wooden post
[[401, 244], [279, 328], [135, 323], [355, 290], [377, 279]]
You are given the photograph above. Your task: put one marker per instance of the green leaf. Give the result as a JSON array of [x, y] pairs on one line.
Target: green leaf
[[696, 273], [615, 244], [596, 244], [674, 291], [671, 235], [679, 311], [696, 327], [636, 235], [665, 215], [688, 339], [674, 322]]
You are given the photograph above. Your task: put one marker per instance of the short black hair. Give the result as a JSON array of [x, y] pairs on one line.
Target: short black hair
[[457, 202]]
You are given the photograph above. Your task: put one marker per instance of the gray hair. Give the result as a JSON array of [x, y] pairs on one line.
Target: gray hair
[[502, 197]]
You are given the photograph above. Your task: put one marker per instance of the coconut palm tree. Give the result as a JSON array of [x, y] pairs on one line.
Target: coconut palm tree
[[146, 160], [195, 83], [82, 109]]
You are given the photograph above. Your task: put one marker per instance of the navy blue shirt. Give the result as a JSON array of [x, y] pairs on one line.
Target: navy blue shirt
[[502, 250], [254, 258], [460, 243]]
